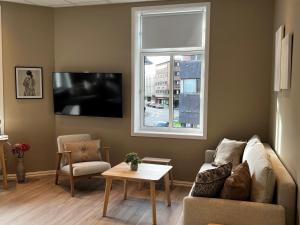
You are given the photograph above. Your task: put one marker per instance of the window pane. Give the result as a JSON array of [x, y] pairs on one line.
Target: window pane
[[156, 101], [172, 30], [186, 102]]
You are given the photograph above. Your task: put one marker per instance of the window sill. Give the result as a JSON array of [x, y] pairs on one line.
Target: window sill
[[175, 135]]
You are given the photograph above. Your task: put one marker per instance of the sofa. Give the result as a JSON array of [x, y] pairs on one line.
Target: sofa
[[203, 211]]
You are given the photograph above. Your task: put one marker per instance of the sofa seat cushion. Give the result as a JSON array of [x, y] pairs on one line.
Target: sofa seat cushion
[[86, 168], [263, 177], [229, 151]]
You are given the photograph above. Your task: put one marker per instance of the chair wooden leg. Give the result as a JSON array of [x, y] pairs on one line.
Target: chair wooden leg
[[72, 185], [56, 177], [58, 168]]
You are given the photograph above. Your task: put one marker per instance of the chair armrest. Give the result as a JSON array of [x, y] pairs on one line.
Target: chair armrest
[[69, 156], [64, 152], [202, 211], [106, 150], [209, 156]]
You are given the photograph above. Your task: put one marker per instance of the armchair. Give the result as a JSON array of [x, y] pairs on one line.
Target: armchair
[[67, 167]]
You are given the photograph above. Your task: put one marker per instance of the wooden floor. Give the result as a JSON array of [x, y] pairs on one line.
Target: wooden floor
[[39, 201]]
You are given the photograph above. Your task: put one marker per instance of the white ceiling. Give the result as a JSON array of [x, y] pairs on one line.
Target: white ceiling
[[65, 3]]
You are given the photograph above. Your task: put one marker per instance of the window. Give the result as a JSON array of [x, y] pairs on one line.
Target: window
[[170, 70]]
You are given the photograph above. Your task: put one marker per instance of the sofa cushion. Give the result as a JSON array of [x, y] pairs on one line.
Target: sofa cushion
[[84, 151], [237, 186], [252, 141], [229, 150], [263, 178], [85, 168], [209, 183]]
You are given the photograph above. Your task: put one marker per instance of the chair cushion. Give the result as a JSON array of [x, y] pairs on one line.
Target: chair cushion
[[85, 168], [84, 151], [229, 150], [263, 177], [238, 185], [209, 183]]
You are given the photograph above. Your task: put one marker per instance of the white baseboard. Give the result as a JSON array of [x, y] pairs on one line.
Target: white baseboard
[[179, 183], [182, 183], [33, 174]]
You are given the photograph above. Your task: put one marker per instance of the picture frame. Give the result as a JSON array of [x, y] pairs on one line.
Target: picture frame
[[277, 63], [286, 62], [29, 82]]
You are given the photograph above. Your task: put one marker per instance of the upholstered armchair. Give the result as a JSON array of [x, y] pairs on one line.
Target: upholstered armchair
[[80, 156]]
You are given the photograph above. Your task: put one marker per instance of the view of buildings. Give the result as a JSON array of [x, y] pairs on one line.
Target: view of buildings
[[186, 90]]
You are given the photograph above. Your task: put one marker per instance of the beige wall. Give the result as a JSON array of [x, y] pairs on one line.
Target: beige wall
[[97, 38], [285, 106], [28, 40]]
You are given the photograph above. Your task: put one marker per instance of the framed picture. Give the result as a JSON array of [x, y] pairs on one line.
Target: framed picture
[[29, 82], [277, 64], [286, 62]]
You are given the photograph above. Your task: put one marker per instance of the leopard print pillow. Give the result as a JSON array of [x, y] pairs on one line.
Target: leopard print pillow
[[209, 183]]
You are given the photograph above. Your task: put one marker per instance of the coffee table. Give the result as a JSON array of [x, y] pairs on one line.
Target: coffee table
[[147, 173]]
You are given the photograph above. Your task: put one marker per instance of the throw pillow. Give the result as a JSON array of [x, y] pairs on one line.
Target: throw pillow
[[250, 144], [83, 151], [261, 171], [229, 150], [238, 185], [209, 183]]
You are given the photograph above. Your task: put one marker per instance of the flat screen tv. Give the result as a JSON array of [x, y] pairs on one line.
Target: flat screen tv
[[88, 94]]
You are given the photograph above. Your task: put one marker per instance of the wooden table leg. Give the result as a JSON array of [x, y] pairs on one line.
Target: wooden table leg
[[3, 165], [167, 189], [125, 189], [171, 176], [153, 201], [140, 185], [106, 195]]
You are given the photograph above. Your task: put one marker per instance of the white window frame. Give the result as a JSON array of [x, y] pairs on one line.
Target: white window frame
[[137, 94], [1, 80]]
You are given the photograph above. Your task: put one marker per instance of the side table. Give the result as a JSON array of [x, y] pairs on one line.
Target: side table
[[3, 162], [162, 161]]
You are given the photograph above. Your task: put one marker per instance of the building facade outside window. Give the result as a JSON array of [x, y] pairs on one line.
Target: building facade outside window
[[170, 66]]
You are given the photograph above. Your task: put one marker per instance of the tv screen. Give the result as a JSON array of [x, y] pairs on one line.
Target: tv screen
[[88, 94]]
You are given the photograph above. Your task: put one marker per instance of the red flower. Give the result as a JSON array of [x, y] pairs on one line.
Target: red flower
[[19, 149]]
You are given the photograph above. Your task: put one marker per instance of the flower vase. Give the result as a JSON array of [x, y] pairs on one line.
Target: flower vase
[[20, 170], [134, 167]]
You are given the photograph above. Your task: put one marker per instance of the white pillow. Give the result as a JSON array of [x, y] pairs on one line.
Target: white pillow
[[229, 150], [255, 139], [263, 178]]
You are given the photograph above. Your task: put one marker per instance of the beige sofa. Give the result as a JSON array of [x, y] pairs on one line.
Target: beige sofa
[[202, 211]]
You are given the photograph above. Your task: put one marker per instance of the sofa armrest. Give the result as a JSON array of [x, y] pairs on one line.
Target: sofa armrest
[[202, 211], [209, 156]]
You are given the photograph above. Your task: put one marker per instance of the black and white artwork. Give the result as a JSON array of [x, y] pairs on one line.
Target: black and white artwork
[[29, 82]]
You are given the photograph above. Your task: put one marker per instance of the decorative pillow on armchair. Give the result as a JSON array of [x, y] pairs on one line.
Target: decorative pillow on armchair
[[83, 151], [209, 183], [229, 150]]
